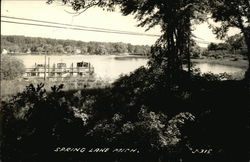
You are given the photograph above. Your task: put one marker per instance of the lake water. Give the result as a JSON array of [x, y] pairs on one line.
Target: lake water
[[216, 69], [107, 67], [111, 67]]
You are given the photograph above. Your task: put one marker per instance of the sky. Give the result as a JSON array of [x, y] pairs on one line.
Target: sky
[[93, 17]]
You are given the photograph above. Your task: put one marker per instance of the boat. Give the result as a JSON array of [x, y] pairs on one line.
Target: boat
[[60, 70]]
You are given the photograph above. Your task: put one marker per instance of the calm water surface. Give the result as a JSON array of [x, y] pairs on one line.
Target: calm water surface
[[216, 69], [106, 67], [110, 67]]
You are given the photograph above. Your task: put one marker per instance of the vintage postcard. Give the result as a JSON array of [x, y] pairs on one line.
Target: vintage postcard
[[125, 80]]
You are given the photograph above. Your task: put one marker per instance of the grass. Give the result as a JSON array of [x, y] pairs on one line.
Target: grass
[[12, 87]]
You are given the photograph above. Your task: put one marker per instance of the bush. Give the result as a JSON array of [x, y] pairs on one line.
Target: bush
[[35, 116], [11, 68], [139, 110]]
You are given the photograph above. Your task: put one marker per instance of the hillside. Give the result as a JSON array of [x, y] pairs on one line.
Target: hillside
[[37, 45]]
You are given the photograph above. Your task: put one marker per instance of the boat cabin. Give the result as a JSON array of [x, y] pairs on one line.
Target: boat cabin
[[39, 66], [61, 65], [82, 64]]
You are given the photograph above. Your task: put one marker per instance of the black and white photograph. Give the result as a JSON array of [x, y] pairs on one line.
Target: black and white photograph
[[125, 81]]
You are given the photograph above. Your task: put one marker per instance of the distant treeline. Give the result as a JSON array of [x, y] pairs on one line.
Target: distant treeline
[[232, 43], [36, 45]]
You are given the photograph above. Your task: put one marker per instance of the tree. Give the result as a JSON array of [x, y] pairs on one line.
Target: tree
[[212, 47], [59, 48], [236, 42], [15, 48], [39, 45], [100, 49], [39, 50], [141, 50], [68, 49], [174, 17], [84, 49], [120, 48], [195, 51], [47, 48], [131, 48], [223, 46], [11, 67], [232, 13]]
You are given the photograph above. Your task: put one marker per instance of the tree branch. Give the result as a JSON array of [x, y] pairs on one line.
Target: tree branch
[[87, 7]]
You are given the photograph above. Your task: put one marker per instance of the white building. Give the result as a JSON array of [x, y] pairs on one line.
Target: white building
[[78, 51], [4, 51]]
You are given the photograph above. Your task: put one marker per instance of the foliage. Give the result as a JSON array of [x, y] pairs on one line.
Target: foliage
[[219, 46], [212, 46], [232, 13], [111, 117], [21, 44], [236, 42], [234, 49], [138, 111], [232, 43], [11, 67], [33, 117], [196, 51]]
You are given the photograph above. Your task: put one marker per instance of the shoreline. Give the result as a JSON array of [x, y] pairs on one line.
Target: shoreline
[[243, 64], [226, 62]]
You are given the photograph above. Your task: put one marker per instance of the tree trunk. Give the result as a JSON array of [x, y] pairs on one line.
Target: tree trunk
[[247, 40]]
